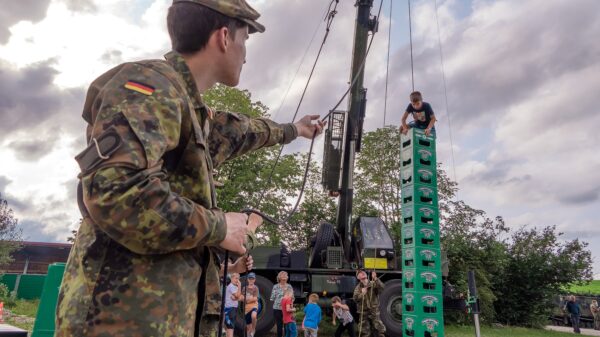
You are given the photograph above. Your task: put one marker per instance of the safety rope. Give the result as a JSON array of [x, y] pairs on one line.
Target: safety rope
[[412, 68], [291, 83], [387, 69], [362, 309], [445, 91], [330, 16]]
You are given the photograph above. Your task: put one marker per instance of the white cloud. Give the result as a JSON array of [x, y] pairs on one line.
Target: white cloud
[[522, 90], [76, 41]]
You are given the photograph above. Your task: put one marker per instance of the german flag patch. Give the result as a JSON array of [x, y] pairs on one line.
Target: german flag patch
[[139, 87]]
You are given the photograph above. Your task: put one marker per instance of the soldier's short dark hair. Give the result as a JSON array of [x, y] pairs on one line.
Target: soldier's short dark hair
[[190, 26], [335, 299]]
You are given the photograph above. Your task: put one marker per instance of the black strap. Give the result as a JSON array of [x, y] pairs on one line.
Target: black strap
[[201, 291], [99, 149]]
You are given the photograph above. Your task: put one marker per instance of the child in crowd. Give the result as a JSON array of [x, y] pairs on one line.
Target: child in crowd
[[287, 306], [233, 295], [312, 316], [251, 309], [341, 311]]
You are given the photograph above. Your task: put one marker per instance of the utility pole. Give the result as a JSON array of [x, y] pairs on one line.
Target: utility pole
[[356, 112]]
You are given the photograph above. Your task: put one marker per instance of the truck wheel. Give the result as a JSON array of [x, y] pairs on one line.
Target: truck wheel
[[390, 307], [322, 241], [265, 319]]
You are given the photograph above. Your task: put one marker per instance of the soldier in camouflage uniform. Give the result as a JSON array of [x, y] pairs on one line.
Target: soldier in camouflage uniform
[[366, 296], [151, 226]]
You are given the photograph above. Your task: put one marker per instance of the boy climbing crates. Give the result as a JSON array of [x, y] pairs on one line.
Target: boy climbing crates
[[423, 116]]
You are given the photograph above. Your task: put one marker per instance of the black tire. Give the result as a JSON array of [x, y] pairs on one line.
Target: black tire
[[323, 239], [265, 320], [390, 308]]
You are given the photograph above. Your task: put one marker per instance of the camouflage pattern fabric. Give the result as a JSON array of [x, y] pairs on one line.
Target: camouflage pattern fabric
[[152, 220], [369, 319], [238, 9]]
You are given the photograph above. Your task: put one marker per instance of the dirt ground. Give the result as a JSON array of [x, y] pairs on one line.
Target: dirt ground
[[584, 332]]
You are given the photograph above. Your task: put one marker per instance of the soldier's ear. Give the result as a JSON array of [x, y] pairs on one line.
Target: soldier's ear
[[222, 38]]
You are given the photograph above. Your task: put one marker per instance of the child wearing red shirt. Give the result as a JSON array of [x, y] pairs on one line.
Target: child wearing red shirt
[[287, 306]]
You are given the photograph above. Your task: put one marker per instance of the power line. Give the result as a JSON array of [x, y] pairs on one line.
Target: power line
[[329, 18], [301, 62]]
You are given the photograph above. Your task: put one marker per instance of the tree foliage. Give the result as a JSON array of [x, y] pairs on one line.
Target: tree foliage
[[517, 272], [540, 265], [246, 182], [377, 178], [10, 233]]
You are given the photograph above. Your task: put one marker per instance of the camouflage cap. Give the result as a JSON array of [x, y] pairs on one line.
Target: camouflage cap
[[238, 9]]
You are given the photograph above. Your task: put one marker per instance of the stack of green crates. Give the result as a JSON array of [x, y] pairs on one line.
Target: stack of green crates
[[422, 311]]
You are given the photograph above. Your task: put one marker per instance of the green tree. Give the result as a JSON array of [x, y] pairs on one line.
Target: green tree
[[245, 180], [315, 207], [10, 233], [377, 181], [540, 265]]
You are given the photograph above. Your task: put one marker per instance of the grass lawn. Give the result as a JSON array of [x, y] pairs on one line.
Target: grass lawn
[[593, 288], [469, 331], [23, 314]]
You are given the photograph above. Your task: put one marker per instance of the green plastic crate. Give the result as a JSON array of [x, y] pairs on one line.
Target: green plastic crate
[[421, 281], [418, 175], [421, 258], [420, 236], [416, 138], [419, 194], [414, 214], [418, 158], [44, 322], [422, 303], [422, 326]]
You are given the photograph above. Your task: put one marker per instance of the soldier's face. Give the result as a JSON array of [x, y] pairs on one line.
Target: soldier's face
[[362, 277], [236, 57]]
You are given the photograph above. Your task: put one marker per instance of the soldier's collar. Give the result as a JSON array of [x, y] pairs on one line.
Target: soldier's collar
[[178, 63]]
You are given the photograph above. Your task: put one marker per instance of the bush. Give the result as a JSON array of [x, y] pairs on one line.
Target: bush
[[8, 298]]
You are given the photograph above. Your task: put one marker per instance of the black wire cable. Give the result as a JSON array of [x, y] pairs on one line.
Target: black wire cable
[[307, 168], [329, 18], [362, 65]]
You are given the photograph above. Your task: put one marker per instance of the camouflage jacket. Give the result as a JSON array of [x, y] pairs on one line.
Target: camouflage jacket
[[150, 208], [369, 300]]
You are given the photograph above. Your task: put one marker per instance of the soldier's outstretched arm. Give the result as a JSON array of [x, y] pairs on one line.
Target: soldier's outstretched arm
[[233, 135], [127, 195]]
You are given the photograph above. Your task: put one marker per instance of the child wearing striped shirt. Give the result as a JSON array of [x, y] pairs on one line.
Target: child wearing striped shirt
[[341, 311]]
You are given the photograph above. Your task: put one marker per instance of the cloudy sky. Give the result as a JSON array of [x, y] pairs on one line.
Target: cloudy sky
[[523, 84]]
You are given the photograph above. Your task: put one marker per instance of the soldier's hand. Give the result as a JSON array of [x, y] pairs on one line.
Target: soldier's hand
[[236, 233], [254, 221], [373, 276], [242, 264], [307, 129]]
